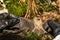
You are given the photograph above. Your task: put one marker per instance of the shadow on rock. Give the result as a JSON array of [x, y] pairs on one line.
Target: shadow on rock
[[11, 37]]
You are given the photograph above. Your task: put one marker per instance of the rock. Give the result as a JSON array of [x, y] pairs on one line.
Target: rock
[[26, 25]]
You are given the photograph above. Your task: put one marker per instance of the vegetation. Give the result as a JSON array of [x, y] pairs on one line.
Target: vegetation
[[45, 5], [14, 7], [31, 36]]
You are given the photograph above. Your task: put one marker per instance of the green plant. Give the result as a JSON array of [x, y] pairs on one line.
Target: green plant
[[15, 8], [31, 36]]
